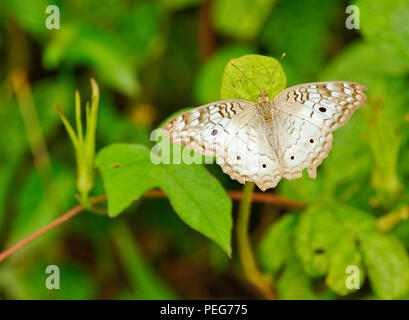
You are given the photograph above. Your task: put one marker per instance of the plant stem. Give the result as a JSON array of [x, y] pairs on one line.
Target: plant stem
[[245, 252], [234, 195], [388, 221], [65, 217]]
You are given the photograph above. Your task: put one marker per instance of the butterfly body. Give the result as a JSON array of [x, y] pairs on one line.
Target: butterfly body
[[273, 139]]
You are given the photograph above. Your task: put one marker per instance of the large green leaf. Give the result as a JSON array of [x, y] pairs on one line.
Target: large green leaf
[[196, 196], [246, 76]]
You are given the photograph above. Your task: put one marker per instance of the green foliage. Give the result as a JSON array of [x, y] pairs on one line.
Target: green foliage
[[196, 196], [318, 235], [152, 59], [276, 246], [327, 239], [209, 78], [290, 24], [145, 284], [383, 23], [83, 141], [388, 265], [294, 283], [241, 18], [246, 76]]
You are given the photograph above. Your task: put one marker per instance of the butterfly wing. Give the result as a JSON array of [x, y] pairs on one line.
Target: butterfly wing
[[233, 132], [306, 115], [328, 105], [206, 129], [250, 157]]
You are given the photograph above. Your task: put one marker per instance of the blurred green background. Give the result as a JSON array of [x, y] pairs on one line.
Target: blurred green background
[[152, 58]]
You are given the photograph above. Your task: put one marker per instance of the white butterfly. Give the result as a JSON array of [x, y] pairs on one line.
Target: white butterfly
[[263, 142]]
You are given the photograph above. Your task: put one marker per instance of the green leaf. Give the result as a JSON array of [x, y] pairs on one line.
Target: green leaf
[[241, 18], [345, 254], [319, 232], [387, 264], [264, 73], [208, 82], [276, 245], [316, 233], [196, 196]]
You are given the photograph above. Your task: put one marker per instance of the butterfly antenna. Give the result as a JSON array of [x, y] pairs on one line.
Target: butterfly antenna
[[246, 76], [272, 73]]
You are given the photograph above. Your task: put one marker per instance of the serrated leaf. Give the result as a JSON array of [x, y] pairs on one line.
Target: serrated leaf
[[196, 196], [276, 245], [263, 72], [387, 264]]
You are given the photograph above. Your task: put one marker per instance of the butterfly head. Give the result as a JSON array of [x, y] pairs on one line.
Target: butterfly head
[[263, 97]]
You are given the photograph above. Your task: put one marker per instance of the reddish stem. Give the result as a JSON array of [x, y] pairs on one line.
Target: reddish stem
[[234, 195]]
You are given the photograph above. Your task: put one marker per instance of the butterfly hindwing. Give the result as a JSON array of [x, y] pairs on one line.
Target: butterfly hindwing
[[249, 156], [301, 145]]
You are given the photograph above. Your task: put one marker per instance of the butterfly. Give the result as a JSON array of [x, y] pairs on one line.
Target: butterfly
[[273, 139]]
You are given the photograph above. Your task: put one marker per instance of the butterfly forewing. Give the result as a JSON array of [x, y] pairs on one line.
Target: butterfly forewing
[[301, 144], [208, 128], [325, 104]]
